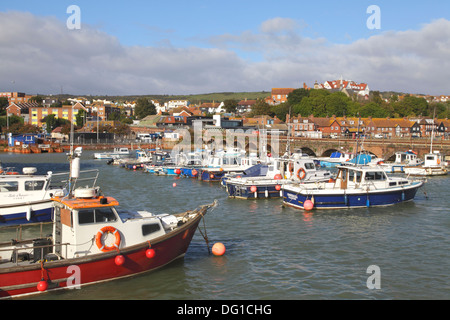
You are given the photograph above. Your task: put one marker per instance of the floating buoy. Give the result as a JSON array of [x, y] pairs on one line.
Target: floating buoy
[[119, 260], [177, 171], [308, 205], [278, 187], [238, 177], [278, 176], [174, 184], [211, 176], [150, 253], [253, 188], [194, 172], [218, 249], [42, 285]]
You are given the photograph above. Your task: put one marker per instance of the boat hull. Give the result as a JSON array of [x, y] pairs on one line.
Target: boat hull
[[350, 199], [28, 213], [73, 273], [263, 191]]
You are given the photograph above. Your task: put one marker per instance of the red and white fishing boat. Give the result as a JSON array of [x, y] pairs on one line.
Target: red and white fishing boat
[[92, 242]]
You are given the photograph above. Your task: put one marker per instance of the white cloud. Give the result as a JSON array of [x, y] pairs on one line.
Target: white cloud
[[40, 54]]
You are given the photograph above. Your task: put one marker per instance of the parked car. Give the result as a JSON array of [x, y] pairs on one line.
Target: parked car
[[378, 136]]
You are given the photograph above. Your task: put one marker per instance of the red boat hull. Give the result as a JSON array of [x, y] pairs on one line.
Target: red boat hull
[[72, 273]]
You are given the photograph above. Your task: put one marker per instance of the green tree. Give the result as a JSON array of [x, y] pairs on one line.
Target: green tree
[[230, 105], [144, 108], [296, 96], [281, 111], [4, 103], [260, 107]]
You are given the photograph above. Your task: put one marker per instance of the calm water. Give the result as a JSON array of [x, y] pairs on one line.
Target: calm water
[[274, 252]]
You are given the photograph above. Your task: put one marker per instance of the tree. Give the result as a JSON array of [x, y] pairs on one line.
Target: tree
[[260, 107], [296, 96], [3, 105], [144, 108], [230, 105]]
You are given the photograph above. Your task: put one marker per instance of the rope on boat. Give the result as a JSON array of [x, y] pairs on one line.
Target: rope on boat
[[205, 235]]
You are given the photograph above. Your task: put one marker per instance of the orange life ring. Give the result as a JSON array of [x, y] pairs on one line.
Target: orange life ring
[[98, 238], [301, 174], [10, 173]]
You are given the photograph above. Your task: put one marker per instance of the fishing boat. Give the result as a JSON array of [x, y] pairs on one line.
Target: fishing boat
[[354, 187], [335, 159], [402, 160], [279, 172], [228, 161], [116, 154], [93, 242], [26, 198], [434, 165]]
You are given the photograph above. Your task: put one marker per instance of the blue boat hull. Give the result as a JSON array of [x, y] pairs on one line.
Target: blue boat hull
[[42, 215], [211, 176], [358, 200], [244, 192]]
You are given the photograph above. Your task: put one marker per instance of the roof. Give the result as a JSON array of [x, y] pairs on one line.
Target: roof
[[80, 203], [282, 90]]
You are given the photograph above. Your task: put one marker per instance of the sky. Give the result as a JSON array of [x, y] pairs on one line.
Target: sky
[[139, 47]]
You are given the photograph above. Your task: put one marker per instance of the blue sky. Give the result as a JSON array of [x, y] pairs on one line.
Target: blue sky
[[240, 31]]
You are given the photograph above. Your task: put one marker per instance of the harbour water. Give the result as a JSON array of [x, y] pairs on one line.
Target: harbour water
[[273, 252]]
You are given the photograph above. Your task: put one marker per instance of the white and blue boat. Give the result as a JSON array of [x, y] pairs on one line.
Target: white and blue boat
[[354, 187], [277, 173], [116, 154], [401, 161], [26, 198]]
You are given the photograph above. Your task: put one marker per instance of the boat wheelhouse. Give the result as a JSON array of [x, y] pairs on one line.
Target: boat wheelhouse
[[354, 187], [433, 165], [116, 154]]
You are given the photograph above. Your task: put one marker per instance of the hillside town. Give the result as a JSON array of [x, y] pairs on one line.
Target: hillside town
[[49, 115]]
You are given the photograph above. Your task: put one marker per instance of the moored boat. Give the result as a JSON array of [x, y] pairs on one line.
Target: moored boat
[[354, 187], [117, 153], [279, 172], [434, 165], [402, 160], [94, 242], [26, 198]]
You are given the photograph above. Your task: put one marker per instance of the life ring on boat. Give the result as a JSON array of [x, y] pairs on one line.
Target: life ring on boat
[[12, 173], [98, 239], [301, 174]]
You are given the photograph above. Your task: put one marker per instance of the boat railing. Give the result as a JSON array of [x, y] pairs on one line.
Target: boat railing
[[19, 228], [84, 175], [37, 256]]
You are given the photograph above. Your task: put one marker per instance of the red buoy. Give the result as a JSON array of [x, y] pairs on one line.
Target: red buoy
[[194, 172], [218, 249], [278, 187], [253, 188], [177, 171], [119, 260], [308, 205], [278, 177], [174, 184], [211, 176], [150, 253], [42, 285]]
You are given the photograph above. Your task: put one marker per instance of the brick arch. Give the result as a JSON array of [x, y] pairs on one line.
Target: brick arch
[[328, 152]]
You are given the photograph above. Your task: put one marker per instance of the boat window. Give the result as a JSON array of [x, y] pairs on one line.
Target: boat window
[[375, 175], [430, 157], [9, 186], [351, 175], [34, 185], [309, 165], [391, 184], [96, 215], [150, 228]]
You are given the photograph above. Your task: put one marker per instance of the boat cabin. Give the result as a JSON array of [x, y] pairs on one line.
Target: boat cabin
[[360, 176], [433, 159], [405, 157], [89, 224]]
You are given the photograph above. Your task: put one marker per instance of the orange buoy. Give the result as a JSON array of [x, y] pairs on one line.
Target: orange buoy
[[194, 172], [174, 184], [308, 205], [218, 249], [253, 188], [278, 187], [278, 176]]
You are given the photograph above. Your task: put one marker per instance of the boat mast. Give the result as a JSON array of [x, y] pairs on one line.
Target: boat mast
[[432, 131]]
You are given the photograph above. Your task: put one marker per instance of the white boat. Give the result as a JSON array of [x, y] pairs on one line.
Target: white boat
[[26, 198], [279, 172], [354, 187], [402, 160], [117, 153], [434, 165]]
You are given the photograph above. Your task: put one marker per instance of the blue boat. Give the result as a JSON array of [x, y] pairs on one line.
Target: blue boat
[[279, 172], [354, 187]]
